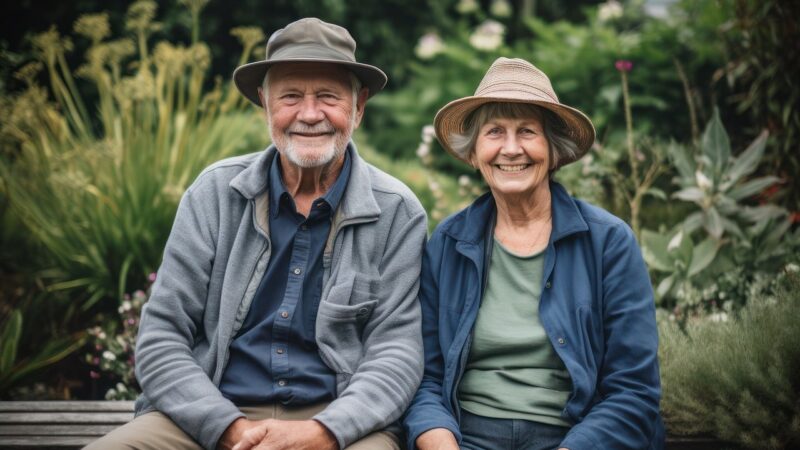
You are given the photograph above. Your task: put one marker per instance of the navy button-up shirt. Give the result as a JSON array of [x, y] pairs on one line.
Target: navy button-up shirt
[[274, 356]]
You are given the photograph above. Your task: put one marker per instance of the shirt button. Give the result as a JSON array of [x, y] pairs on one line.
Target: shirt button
[[281, 382], [279, 351], [304, 227], [547, 285], [284, 314], [297, 271], [561, 341]]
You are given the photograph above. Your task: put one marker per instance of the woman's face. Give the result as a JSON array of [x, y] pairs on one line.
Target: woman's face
[[512, 155]]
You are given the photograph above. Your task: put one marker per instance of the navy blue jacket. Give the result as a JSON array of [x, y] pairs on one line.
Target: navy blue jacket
[[596, 307]]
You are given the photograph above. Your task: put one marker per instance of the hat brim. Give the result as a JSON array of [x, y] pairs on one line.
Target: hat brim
[[248, 78], [451, 119]]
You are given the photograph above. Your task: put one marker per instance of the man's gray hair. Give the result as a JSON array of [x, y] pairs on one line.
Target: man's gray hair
[[355, 86], [562, 147]]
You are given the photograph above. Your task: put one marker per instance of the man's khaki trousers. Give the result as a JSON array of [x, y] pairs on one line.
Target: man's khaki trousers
[[155, 431]]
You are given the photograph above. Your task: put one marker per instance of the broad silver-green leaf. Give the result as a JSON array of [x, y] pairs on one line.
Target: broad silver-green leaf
[[702, 255], [713, 223], [657, 193], [693, 221], [690, 194], [716, 144], [683, 161], [747, 162], [752, 187], [665, 286], [762, 213], [654, 251]]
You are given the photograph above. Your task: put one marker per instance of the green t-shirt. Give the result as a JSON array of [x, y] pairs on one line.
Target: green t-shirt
[[513, 372]]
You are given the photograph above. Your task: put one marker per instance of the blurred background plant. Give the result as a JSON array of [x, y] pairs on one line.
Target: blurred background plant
[[102, 129]]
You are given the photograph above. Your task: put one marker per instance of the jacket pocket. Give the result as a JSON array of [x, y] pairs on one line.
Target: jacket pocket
[[340, 324]]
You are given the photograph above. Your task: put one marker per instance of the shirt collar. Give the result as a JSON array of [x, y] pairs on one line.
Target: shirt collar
[[332, 197]]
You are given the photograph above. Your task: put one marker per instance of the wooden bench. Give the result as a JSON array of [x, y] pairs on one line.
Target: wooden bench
[[74, 424], [59, 424]]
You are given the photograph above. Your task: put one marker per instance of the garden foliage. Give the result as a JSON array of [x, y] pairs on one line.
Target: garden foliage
[[737, 380], [94, 159]]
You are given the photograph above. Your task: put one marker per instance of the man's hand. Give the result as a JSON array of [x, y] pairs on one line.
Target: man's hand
[[437, 439], [233, 434], [272, 434]]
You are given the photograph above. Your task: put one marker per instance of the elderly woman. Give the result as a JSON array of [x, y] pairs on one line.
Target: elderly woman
[[538, 315]]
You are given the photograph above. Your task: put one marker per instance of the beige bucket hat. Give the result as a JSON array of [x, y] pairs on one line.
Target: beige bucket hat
[[308, 40], [517, 81]]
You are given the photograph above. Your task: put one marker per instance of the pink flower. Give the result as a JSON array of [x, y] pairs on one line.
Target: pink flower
[[94, 375], [623, 65], [152, 277]]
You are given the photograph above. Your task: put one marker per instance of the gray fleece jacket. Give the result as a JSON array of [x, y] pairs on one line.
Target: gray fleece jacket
[[368, 323]]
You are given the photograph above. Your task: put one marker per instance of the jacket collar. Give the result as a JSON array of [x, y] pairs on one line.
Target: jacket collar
[[470, 225], [357, 201]]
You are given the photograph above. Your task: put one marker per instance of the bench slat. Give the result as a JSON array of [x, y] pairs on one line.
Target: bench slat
[[66, 417], [56, 430], [46, 441], [67, 406]]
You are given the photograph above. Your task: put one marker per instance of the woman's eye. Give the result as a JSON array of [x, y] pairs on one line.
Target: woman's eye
[[494, 130]]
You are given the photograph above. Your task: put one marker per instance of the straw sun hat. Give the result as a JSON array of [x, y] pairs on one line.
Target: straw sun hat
[[515, 81], [308, 40]]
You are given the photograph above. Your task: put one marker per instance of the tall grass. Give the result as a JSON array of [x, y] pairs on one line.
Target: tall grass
[[97, 187], [737, 380]]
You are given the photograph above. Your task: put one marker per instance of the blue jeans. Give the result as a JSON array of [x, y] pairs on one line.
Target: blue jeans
[[487, 433]]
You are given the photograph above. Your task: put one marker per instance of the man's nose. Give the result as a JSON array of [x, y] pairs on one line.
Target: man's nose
[[310, 111]]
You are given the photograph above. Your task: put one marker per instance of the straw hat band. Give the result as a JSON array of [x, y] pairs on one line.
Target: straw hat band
[[514, 90]]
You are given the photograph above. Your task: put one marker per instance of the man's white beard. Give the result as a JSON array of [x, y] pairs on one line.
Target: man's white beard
[[318, 159]]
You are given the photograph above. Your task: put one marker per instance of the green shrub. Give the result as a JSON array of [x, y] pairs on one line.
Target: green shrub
[[99, 195], [737, 379]]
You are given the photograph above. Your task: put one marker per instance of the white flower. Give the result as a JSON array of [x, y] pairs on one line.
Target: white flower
[[463, 181], [488, 36], [428, 132], [423, 150], [109, 356], [792, 268], [609, 10], [703, 182], [127, 305], [467, 6], [429, 45], [500, 8], [719, 317]]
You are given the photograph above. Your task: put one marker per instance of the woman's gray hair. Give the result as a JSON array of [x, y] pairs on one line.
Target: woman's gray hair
[[562, 146]]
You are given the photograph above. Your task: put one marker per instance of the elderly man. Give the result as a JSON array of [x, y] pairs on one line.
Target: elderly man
[[284, 313]]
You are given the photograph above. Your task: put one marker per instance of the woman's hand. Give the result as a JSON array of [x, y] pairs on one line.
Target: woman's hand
[[437, 439]]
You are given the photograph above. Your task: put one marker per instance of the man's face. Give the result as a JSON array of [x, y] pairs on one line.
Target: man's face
[[311, 111]]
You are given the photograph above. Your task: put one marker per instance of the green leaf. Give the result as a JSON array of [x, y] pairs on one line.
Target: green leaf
[[702, 255], [752, 187], [682, 161], [657, 193], [762, 213], [654, 251], [716, 144], [693, 221], [9, 341], [665, 286], [747, 162], [690, 194], [713, 223]]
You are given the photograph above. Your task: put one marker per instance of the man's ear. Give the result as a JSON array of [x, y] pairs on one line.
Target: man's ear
[[361, 103], [262, 96]]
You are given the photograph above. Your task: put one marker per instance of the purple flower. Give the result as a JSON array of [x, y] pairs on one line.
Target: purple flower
[[131, 321], [623, 65], [152, 277], [96, 361], [94, 375]]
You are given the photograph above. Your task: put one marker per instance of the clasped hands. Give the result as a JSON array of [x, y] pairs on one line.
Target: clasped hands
[[273, 434]]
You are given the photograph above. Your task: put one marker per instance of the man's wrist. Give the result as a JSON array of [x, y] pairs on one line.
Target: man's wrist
[[327, 435], [232, 434]]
